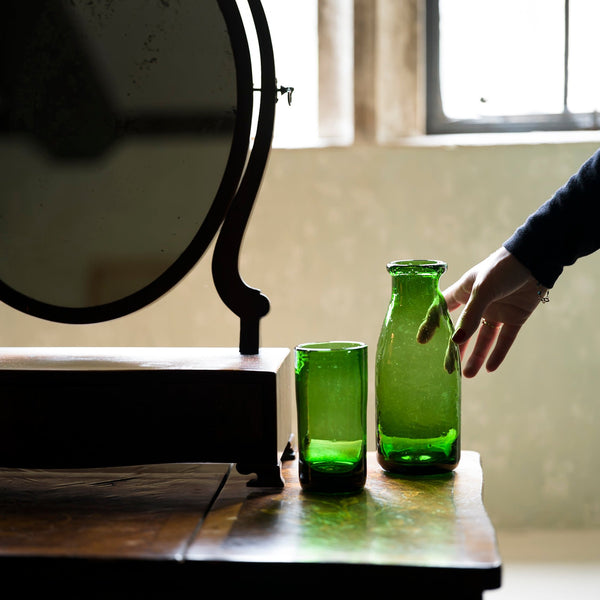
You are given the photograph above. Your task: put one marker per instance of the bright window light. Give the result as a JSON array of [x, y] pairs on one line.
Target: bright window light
[[293, 25], [584, 47], [502, 57], [294, 32]]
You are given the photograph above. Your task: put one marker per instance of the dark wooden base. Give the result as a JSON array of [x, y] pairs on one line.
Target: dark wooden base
[[98, 407]]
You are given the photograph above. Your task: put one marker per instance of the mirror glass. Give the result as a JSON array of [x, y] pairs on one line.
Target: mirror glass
[[122, 141]]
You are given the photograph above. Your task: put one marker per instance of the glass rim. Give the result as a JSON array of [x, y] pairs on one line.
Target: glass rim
[[415, 264], [331, 346]]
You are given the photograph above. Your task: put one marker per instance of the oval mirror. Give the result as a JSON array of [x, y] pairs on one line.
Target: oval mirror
[[124, 131]]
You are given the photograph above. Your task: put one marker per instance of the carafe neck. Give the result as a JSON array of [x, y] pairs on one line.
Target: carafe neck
[[415, 282]]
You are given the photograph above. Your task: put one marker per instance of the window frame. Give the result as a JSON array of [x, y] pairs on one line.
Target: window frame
[[437, 123]]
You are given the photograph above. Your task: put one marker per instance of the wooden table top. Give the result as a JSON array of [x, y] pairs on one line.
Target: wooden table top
[[194, 522]]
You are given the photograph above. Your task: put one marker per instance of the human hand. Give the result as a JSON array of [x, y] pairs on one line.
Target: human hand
[[499, 294]]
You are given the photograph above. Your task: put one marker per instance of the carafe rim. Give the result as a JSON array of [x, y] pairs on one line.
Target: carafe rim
[[413, 266]]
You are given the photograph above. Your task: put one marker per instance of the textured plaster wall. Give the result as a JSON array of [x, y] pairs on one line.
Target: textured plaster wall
[[326, 223]]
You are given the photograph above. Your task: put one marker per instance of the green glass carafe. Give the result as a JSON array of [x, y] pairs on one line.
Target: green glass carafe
[[417, 375]]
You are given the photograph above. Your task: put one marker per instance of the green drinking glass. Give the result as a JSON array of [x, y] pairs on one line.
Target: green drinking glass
[[417, 375], [331, 401]]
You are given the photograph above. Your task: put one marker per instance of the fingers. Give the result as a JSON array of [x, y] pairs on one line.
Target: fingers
[[451, 358], [500, 337], [506, 337], [470, 318], [483, 344], [466, 291], [430, 324], [457, 294]]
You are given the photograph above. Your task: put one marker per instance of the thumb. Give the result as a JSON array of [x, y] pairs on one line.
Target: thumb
[[454, 294]]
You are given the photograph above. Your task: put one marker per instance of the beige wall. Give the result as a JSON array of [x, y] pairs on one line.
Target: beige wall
[[326, 223]]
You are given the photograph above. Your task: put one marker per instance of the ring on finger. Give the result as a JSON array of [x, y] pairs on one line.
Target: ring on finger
[[488, 324]]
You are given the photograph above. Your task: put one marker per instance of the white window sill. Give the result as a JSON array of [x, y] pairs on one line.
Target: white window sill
[[532, 138], [502, 139]]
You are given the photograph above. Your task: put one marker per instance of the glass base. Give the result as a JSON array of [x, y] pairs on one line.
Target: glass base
[[418, 457], [416, 465], [332, 478]]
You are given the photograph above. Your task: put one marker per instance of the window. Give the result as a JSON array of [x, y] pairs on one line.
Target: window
[[354, 66], [512, 65]]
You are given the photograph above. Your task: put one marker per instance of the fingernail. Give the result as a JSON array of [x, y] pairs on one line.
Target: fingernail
[[459, 336]]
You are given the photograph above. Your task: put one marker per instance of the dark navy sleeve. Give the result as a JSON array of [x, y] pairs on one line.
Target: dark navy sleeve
[[564, 228]]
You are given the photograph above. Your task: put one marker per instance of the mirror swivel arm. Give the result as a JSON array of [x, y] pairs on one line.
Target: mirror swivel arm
[[282, 89]]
